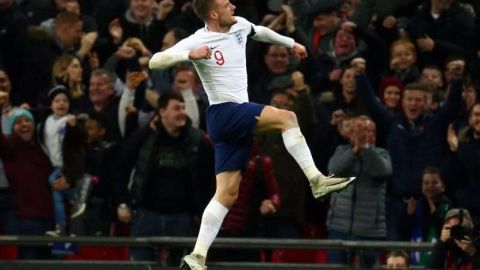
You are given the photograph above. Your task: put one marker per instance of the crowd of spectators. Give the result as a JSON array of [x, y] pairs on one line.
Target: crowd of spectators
[[91, 138]]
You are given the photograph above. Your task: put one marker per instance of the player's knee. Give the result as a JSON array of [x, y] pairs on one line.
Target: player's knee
[[289, 119], [229, 198]]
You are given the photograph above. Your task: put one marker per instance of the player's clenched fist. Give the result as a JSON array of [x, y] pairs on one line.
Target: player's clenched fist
[[203, 52]]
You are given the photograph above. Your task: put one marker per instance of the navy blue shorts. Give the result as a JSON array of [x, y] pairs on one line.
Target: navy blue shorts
[[231, 127]]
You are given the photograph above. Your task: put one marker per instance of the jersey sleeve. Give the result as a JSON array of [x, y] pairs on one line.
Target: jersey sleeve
[[173, 55], [264, 34]]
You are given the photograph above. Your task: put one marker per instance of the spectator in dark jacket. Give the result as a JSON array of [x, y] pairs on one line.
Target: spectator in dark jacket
[[455, 250], [414, 141], [463, 167], [13, 43], [424, 218], [436, 31], [172, 176]]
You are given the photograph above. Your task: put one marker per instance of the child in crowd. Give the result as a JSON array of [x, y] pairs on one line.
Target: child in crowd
[[53, 133], [402, 61]]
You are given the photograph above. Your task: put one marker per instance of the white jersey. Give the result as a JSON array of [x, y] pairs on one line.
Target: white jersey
[[224, 75]]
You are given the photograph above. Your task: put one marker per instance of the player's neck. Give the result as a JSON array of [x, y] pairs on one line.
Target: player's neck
[[215, 27]]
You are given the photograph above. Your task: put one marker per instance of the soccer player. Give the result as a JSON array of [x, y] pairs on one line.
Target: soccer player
[[218, 54]]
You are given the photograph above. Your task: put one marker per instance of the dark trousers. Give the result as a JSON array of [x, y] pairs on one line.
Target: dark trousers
[[25, 226], [148, 223], [367, 258]]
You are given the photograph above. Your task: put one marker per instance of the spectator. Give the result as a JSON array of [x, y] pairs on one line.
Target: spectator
[[273, 75], [67, 71], [435, 30], [462, 167], [186, 83], [413, 141], [144, 19], [398, 260], [162, 80], [89, 24], [350, 42], [403, 56], [391, 91], [432, 76], [424, 217], [173, 173], [101, 157], [104, 100], [27, 168], [13, 44], [345, 96], [43, 49], [456, 248], [287, 220], [5, 197], [358, 211]]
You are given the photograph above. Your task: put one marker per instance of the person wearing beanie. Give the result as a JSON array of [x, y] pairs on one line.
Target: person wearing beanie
[[27, 168], [57, 126], [390, 93]]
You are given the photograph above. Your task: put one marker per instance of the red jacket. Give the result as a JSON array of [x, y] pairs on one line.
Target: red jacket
[[27, 168], [257, 185]]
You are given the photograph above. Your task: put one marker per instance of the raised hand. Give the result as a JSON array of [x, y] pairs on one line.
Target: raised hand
[[163, 9], [115, 30], [452, 138]]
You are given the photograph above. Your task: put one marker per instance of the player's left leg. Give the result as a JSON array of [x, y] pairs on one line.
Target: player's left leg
[[225, 196], [271, 119]]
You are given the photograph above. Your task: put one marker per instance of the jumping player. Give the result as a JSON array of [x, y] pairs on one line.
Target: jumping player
[[218, 54]]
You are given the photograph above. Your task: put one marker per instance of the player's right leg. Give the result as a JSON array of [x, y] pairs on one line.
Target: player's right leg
[[271, 119], [225, 196]]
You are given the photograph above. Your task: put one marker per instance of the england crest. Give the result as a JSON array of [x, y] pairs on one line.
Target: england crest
[[238, 38]]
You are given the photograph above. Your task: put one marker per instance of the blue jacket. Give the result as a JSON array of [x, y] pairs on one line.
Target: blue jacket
[[412, 146]]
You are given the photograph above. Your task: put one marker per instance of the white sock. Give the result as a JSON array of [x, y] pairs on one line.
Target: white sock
[[298, 148], [212, 219]]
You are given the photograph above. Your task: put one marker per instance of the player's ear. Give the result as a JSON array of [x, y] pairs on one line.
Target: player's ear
[[212, 15]]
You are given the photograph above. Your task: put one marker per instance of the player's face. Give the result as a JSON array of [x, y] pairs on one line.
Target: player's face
[[413, 103], [174, 115], [276, 59], [224, 11]]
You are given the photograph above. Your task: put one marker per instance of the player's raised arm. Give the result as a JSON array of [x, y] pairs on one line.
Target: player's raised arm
[[265, 34], [168, 58]]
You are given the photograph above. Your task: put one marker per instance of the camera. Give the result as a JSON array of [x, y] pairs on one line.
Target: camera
[[461, 232]]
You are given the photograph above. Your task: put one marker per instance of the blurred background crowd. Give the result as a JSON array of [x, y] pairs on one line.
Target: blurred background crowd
[[96, 144]]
